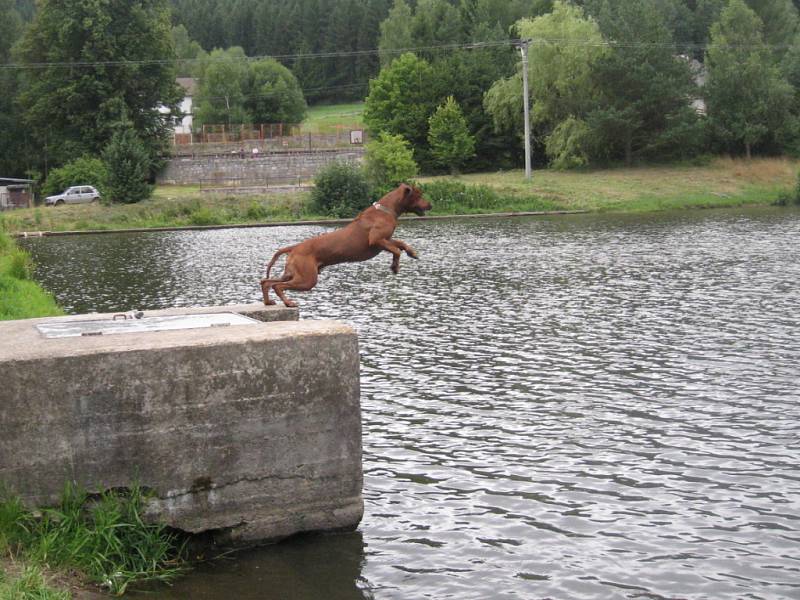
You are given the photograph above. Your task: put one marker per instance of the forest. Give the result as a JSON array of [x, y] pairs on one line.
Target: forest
[[611, 81]]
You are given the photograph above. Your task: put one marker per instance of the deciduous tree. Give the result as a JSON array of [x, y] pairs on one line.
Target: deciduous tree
[[93, 65], [748, 99]]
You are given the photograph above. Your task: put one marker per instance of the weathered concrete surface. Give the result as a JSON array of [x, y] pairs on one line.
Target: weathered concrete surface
[[251, 431]]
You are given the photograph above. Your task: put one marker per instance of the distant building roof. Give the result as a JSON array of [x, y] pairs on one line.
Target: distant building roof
[[189, 84]]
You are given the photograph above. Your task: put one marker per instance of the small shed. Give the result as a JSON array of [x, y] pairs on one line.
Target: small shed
[[15, 193]]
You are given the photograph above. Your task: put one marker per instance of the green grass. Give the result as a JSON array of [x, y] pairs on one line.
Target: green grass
[[328, 118], [720, 183], [21, 297], [29, 584], [103, 538]]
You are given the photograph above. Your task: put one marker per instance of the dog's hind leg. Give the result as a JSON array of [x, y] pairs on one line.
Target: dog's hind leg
[[268, 283], [305, 277]]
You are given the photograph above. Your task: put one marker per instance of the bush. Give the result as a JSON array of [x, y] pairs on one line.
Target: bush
[[128, 166], [389, 162], [447, 194], [341, 190], [81, 171]]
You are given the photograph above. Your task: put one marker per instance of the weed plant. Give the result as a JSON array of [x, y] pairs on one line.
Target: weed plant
[[104, 538]]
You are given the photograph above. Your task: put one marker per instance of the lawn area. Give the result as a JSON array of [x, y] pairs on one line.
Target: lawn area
[[326, 117], [721, 182]]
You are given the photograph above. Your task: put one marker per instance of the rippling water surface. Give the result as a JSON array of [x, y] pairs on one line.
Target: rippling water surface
[[571, 407]]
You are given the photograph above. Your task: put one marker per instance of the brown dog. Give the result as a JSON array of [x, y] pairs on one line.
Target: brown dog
[[363, 238]]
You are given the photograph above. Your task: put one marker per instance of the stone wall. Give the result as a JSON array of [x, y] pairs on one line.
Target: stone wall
[[252, 432], [277, 168]]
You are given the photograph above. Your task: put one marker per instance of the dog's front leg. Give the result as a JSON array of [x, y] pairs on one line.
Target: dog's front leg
[[389, 246], [405, 248]]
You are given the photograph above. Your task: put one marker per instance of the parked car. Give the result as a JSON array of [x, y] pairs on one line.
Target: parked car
[[76, 194]]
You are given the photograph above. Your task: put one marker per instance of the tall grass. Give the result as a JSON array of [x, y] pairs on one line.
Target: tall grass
[[20, 297], [104, 538]]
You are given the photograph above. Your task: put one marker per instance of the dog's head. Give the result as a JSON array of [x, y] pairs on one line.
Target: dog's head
[[413, 200]]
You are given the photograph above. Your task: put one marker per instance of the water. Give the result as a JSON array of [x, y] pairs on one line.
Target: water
[[571, 407]]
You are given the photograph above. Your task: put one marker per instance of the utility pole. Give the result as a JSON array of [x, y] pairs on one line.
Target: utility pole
[[523, 47]]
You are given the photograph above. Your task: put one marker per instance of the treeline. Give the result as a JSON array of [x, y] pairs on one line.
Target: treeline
[[610, 80]]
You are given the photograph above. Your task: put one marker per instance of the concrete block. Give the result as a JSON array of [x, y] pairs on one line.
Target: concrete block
[[252, 432]]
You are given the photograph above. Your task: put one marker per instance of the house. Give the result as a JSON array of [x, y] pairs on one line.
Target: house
[[189, 85], [15, 193]]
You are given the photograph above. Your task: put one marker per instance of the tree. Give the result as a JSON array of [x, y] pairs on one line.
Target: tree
[[221, 89], [645, 90], [389, 161], [105, 66], [561, 74], [395, 32], [400, 100], [12, 133], [272, 94], [128, 165], [449, 137], [748, 100], [187, 51]]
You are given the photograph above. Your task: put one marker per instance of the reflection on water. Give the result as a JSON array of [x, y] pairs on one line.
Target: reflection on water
[[574, 407]]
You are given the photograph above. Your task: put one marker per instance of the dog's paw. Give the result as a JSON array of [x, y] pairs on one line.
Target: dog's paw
[[412, 254]]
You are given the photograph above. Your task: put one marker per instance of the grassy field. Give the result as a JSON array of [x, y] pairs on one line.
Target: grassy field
[[720, 183], [327, 118]]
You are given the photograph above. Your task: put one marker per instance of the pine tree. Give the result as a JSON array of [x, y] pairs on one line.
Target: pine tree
[[448, 135]]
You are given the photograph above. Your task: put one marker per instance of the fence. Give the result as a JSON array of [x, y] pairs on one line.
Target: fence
[[240, 141]]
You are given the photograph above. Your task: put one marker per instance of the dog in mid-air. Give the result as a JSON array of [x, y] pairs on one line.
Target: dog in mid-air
[[361, 239]]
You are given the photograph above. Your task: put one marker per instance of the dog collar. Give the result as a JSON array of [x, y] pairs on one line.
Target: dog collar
[[385, 209]]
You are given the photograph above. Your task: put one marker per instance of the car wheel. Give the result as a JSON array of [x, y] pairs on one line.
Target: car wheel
[[59, 202]]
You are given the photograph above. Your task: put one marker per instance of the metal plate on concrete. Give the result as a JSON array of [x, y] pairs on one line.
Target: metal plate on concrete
[[126, 323]]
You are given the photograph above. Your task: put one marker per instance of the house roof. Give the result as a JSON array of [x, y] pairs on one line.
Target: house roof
[[189, 84]]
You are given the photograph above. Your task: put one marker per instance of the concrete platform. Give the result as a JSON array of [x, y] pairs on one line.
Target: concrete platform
[[252, 432]]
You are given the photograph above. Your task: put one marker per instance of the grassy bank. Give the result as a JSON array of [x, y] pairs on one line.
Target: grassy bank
[[20, 297], [720, 183], [98, 540]]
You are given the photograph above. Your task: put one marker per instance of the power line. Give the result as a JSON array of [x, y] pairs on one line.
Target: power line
[[376, 52], [279, 57]]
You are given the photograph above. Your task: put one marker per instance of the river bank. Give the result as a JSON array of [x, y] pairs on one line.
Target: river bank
[[722, 182]]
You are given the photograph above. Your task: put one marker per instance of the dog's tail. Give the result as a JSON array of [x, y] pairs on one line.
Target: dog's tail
[[278, 254]]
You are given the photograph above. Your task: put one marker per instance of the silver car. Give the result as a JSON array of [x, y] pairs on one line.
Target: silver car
[[76, 194]]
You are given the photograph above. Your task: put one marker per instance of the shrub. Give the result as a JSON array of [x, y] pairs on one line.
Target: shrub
[[341, 190], [128, 166], [203, 215], [447, 194], [389, 162], [81, 171]]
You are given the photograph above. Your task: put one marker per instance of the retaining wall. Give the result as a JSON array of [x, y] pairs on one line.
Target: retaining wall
[[252, 432], [268, 169]]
